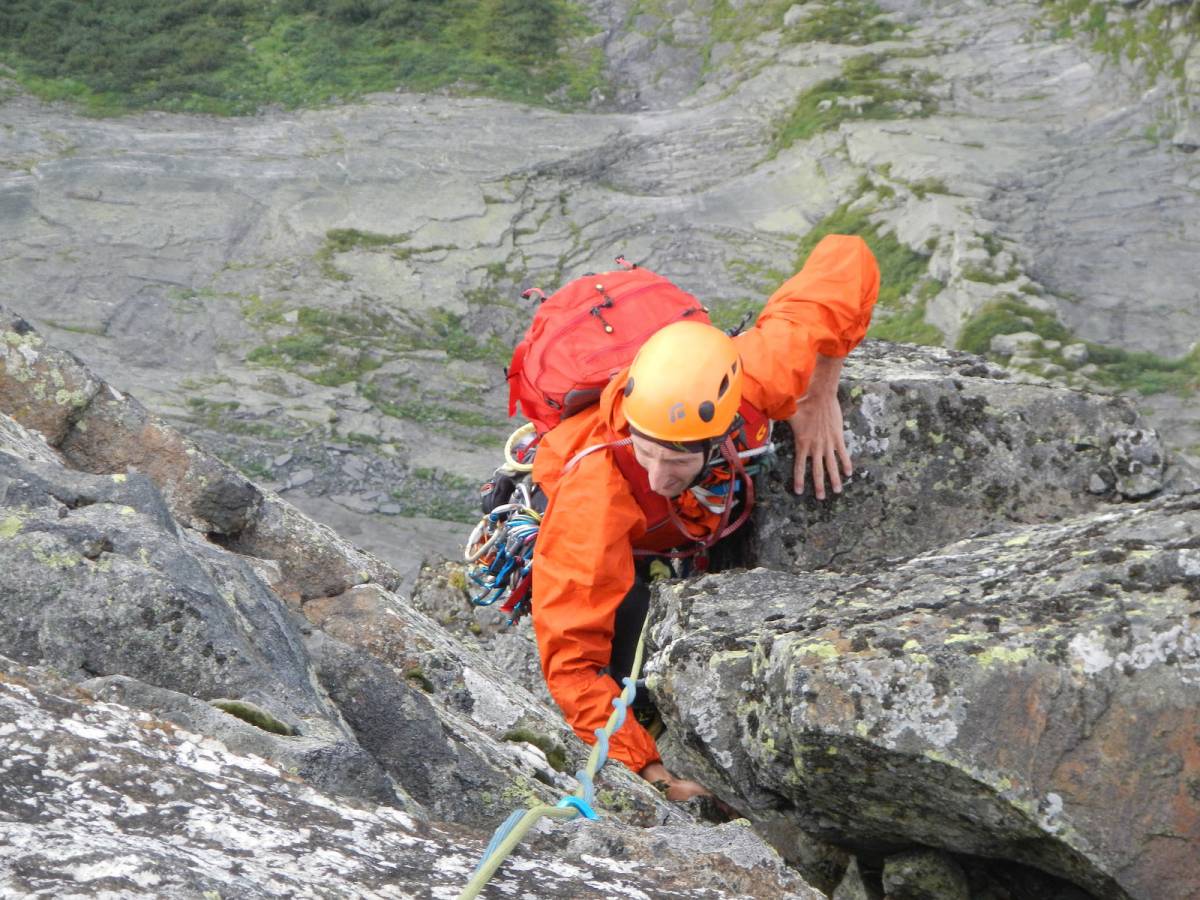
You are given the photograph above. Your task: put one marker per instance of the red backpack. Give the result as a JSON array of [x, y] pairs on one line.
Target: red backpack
[[584, 334]]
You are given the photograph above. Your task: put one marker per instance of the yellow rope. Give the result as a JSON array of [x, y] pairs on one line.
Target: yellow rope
[[489, 865]]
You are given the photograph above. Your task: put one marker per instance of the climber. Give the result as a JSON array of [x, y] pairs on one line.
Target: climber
[[689, 393]]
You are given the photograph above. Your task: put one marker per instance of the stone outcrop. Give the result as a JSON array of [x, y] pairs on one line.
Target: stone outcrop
[[1026, 696], [158, 655], [98, 798], [946, 445]]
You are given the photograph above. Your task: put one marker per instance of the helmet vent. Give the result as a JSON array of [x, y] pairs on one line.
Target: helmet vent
[[723, 388], [628, 387], [707, 411]]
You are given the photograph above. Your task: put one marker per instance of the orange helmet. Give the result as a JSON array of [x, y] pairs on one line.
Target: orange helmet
[[685, 384]]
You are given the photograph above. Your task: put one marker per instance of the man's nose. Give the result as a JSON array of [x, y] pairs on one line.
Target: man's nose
[[660, 478]]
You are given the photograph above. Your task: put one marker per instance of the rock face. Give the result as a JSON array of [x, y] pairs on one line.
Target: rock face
[[100, 799], [946, 446], [185, 258], [263, 685], [975, 699], [1027, 696]]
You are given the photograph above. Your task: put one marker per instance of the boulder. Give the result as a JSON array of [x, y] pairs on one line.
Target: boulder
[[945, 446], [99, 799], [1026, 696]]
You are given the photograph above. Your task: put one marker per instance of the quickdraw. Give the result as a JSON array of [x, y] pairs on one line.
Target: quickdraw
[[499, 551]]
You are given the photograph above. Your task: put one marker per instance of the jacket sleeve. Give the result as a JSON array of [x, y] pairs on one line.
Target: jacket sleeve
[[582, 570], [824, 309]]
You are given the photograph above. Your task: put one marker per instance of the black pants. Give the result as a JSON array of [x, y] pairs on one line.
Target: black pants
[[627, 628]]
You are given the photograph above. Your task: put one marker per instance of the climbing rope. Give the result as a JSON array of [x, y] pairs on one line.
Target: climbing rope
[[515, 827]]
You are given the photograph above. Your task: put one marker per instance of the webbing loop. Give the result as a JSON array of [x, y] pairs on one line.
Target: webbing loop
[[580, 804]]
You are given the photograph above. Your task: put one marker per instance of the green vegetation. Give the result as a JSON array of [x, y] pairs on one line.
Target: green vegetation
[[556, 755], [901, 270], [907, 324], [734, 23], [329, 348], [254, 715], [863, 91], [927, 186], [1008, 317], [225, 416], [735, 313], [1145, 373], [343, 240], [437, 494], [1149, 36], [236, 56], [988, 276], [846, 22], [415, 675]]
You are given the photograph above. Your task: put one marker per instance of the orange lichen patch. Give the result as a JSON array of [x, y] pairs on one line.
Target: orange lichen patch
[[361, 603], [1184, 741], [1024, 707], [150, 724], [14, 679]]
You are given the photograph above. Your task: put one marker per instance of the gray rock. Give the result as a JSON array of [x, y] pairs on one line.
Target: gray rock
[[924, 875], [1022, 696], [1010, 344], [1075, 354], [339, 766], [301, 478], [99, 799], [854, 887], [943, 447]]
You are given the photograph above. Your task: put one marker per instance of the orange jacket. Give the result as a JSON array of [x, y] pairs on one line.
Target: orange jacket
[[583, 560]]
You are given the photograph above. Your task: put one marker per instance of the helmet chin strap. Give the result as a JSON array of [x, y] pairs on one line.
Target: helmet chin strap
[[713, 453]]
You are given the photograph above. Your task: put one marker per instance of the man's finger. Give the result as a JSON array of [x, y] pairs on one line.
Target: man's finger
[[818, 476], [799, 472], [844, 456], [831, 463]]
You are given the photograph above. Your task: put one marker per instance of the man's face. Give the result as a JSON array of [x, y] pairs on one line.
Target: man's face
[[670, 471]]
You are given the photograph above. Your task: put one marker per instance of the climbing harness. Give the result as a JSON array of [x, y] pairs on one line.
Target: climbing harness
[[515, 827]]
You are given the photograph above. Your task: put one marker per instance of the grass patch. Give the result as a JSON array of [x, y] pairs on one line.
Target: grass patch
[[1125, 370], [555, 753], [1146, 373], [436, 494], [729, 316], [1009, 316], [225, 416], [232, 57], [863, 91], [989, 276], [1147, 36], [927, 186], [907, 325], [901, 270], [343, 240], [846, 22]]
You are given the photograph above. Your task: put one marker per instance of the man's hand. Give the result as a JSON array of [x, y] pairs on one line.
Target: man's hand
[[675, 789], [817, 429]]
